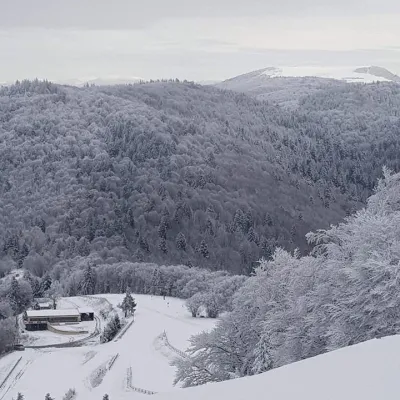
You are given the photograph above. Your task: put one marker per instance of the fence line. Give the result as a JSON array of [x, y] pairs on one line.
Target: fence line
[[173, 348], [123, 331], [134, 388], [112, 361]]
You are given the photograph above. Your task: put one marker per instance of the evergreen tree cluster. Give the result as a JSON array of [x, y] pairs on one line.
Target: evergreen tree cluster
[[111, 329], [128, 304]]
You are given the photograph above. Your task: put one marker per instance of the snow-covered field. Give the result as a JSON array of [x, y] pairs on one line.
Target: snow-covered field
[[94, 369]]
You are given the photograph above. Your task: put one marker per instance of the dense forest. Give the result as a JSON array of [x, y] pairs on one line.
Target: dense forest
[[178, 173]]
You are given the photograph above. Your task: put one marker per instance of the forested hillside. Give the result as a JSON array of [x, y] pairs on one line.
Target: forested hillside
[[177, 173]]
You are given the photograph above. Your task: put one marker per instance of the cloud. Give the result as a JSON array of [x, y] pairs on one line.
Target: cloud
[[135, 14], [208, 40]]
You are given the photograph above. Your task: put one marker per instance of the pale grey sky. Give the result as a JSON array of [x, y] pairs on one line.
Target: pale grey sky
[[208, 39]]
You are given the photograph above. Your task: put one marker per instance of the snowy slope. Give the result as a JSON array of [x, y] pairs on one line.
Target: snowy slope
[[347, 74], [140, 350], [286, 85], [368, 371]]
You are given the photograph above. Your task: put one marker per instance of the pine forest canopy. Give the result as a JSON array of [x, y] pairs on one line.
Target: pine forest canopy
[[177, 173]]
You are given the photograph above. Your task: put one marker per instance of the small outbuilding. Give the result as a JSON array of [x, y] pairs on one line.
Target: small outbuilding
[[86, 313], [42, 304]]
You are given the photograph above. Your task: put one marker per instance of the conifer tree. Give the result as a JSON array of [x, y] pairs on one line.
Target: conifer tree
[[162, 245], [181, 241], [14, 296], [204, 249], [128, 304], [89, 280]]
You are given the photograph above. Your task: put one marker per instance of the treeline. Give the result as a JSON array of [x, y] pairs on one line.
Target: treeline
[[177, 173], [298, 307], [207, 290], [15, 297]]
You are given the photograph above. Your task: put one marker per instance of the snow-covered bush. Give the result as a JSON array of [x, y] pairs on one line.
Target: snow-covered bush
[[111, 329], [70, 395]]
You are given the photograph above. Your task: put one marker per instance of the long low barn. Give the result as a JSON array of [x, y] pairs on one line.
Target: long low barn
[[38, 319]]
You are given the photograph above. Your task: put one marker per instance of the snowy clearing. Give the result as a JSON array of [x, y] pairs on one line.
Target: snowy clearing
[[135, 360]]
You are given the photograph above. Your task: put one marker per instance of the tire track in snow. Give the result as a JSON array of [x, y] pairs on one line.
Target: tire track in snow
[[17, 377]]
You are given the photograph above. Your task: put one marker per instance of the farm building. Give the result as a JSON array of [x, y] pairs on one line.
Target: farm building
[[87, 314], [42, 304], [35, 320]]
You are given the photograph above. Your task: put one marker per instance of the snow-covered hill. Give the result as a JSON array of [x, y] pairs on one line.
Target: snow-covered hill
[[368, 371], [285, 85], [347, 74]]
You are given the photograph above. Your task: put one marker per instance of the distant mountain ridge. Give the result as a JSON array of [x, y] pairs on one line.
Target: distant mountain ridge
[[286, 85], [346, 74]]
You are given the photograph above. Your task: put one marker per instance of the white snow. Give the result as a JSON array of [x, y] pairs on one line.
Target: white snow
[[345, 73], [53, 313], [368, 371], [139, 349]]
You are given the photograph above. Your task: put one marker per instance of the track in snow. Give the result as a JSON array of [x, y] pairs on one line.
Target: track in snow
[[14, 378]]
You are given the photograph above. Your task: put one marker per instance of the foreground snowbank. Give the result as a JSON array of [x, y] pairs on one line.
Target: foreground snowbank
[[367, 371]]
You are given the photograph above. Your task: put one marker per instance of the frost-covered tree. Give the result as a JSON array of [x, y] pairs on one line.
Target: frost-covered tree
[[111, 329], [128, 305], [298, 307], [88, 283], [203, 249], [54, 293], [195, 303], [19, 295], [180, 241], [45, 284], [262, 358], [70, 395]]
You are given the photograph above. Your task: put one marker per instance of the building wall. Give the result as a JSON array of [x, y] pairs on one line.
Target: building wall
[[35, 327], [57, 319]]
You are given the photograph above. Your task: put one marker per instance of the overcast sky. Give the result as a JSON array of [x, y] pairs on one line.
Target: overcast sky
[[200, 40]]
